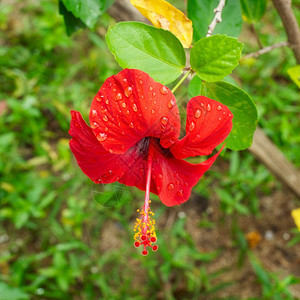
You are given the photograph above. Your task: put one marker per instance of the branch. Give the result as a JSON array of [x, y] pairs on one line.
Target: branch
[[290, 24], [265, 50], [217, 18]]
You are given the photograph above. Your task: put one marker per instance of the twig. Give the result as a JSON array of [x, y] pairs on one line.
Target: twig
[[290, 24], [217, 18], [256, 36], [265, 50]]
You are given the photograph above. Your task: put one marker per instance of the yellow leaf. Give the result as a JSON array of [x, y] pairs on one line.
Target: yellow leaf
[[296, 216], [294, 73], [164, 15]]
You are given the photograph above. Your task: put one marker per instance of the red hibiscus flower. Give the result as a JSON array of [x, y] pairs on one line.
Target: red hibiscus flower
[[133, 139]]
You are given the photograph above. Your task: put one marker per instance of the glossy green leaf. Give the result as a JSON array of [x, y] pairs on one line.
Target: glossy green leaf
[[153, 50], [294, 73], [202, 13], [215, 57], [243, 110], [253, 10], [87, 11], [72, 23]]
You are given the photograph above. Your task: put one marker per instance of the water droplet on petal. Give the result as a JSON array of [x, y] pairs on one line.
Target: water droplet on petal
[[106, 101], [141, 81], [99, 98], [192, 126], [109, 84], [110, 172], [146, 107], [105, 118], [153, 111], [201, 104], [229, 115], [134, 107], [124, 105], [219, 107], [171, 186], [160, 176], [114, 90], [180, 193], [131, 125], [172, 141], [198, 113], [208, 107], [164, 120], [150, 88], [123, 133], [94, 113], [171, 129], [220, 119], [127, 112], [110, 151], [118, 97], [128, 91], [101, 137], [164, 90], [94, 125], [125, 80], [106, 129], [171, 103], [153, 94]]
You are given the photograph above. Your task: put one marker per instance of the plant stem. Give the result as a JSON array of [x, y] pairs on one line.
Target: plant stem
[[181, 81]]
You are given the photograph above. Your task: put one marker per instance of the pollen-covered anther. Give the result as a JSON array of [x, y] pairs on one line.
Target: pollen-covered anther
[[145, 234]]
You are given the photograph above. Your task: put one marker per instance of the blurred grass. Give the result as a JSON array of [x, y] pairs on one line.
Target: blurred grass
[[62, 237]]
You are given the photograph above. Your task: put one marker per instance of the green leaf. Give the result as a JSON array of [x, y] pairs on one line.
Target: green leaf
[[153, 50], [294, 73], [243, 110], [253, 10], [215, 57], [72, 23], [87, 11], [202, 13], [8, 292]]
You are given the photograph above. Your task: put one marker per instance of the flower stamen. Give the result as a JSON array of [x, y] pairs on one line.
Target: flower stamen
[[144, 228]]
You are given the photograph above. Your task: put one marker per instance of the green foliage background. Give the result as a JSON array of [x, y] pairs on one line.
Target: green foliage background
[[62, 237]]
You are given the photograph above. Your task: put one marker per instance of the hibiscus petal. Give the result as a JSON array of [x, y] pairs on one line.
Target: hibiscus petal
[[208, 124], [175, 178], [97, 163], [130, 106]]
